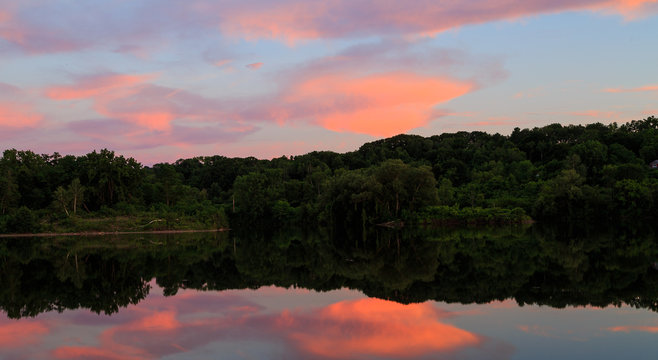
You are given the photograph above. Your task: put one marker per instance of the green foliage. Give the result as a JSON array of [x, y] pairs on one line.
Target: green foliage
[[632, 197], [251, 195], [567, 173], [22, 220], [379, 193], [109, 178], [9, 194], [446, 192], [283, 213], [561, 196], [438, 215]]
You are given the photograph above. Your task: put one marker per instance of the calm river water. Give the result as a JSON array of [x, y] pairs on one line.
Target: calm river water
[[503, 293]]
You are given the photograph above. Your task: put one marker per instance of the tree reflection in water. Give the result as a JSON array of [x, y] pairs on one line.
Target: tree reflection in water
[[532, 265]]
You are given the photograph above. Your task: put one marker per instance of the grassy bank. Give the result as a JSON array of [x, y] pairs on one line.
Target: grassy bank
[[25, 221]]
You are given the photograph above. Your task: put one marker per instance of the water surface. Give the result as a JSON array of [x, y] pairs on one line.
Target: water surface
[[504, 293]]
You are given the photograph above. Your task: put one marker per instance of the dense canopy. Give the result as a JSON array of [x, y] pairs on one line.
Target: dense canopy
[[573, 173]]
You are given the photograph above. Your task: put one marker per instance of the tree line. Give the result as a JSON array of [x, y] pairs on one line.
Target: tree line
[[587, 173]]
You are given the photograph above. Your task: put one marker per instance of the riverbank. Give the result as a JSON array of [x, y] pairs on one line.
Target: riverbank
[[119, 223], [103, 233]]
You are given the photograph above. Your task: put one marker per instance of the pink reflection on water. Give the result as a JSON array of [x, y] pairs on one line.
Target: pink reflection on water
[[374, 327], [197, 321], [15, 334], [628, 328]]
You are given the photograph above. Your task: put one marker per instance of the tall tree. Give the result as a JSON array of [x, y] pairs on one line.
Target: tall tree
[[76, 191], [62, 198]]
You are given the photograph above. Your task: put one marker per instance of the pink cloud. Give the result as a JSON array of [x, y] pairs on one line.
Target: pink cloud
[[529, 94], [364, 90], [637, 89], [31, 27], [632, 9], [334, 93], [220, 63], [39, 27], [126, 136], [108, 90], [29, 37], [296, 20], [379, 104], [597, 114], [490, 122], [255, 66], [15, 116], [15, 112], [4, 16], [147, 114], [92, 86]]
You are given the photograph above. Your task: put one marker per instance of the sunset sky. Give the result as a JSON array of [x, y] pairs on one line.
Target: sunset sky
[[160, 80]]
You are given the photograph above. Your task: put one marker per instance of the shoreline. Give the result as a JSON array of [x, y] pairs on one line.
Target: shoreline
[[102, 233]]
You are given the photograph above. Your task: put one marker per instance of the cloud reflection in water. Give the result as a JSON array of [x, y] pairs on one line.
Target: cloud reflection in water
[[195, 322]]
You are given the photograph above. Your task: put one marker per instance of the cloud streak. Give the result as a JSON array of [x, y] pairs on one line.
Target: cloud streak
[[87, 87], [647, 88], [296, 20], [38, 27], [255, 66], [15, 112]]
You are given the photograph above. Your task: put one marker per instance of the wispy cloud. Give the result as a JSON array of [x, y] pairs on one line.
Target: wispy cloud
[[137, 113], [297, 20], [597, 114], [15, 111], [645, 88], [38, 27], [87, 87], [223, 62], [16, 116], [255, 66]]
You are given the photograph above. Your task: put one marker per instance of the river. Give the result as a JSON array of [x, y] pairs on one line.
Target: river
[[532, 292]]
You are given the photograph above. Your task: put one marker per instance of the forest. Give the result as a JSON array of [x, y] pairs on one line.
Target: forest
[[577, 173]]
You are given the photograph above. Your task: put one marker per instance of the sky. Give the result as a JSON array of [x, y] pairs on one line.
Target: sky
[[160, 80]]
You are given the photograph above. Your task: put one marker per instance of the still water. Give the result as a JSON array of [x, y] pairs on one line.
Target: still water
[[504, 293]]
